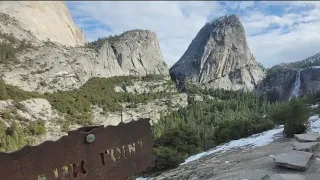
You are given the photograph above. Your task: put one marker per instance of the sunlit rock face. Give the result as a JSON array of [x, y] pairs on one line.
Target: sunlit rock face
[[42, 20], [219, 57]]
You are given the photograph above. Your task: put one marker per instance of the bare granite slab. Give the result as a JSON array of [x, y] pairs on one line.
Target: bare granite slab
[[308, 137], [298, 160], [307, 146]]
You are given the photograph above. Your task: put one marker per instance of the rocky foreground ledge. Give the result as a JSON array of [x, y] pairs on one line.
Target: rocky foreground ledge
[[300, 157], [284, 159], [246, 164]]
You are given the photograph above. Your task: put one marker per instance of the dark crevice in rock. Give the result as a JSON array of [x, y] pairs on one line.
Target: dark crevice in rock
[[118, 56], [133, 63]]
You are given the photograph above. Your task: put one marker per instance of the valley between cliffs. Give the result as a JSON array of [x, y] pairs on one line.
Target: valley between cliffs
[[53, 80]]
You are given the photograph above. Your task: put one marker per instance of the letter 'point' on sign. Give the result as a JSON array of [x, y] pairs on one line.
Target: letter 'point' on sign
[[90, 138]]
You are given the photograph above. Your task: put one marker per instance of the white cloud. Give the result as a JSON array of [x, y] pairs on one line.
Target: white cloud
[[301, 40], [236, 5], [177, 23], [246, 4], [305, 3]]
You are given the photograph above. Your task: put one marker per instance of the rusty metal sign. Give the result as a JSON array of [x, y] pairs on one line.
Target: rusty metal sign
[[90, 153]]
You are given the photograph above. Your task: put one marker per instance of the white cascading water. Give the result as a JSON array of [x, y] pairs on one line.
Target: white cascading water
[[296, 88]]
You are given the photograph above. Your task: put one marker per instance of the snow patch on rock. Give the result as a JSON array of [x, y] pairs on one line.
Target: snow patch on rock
[[256, 140]]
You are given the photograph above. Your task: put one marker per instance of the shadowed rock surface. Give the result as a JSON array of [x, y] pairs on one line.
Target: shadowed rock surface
[[278, 84], [310, 80]]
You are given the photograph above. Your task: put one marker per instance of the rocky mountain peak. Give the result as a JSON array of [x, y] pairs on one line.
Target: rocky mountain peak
[[40, 21], [134, 52], [223, 20], [219, 57]]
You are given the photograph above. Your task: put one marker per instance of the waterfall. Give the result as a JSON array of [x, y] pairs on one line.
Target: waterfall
[[296, 87]]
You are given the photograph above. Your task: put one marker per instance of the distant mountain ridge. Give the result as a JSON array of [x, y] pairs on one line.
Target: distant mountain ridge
[[280, 79], [308, 62], [132, 53]]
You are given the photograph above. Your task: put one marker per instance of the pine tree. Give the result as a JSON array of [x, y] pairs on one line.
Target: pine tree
[[297, 117], [3, 92]]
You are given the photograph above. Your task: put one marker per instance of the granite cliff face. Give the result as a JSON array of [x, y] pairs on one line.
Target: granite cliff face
[[292, 79], [31, 62], [50, 67], [310, 80], [219, 57], [278, 84], [59, 63], [40, 20], [135, 52]]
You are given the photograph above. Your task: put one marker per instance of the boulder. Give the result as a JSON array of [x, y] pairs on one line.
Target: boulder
[[309, 147], [195, 97], [308, 137], [298, 160]]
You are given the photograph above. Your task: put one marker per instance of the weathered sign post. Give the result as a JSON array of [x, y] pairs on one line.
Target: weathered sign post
[[90, 153]]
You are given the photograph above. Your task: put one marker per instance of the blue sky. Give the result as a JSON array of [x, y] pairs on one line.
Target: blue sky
[[278, 31]]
